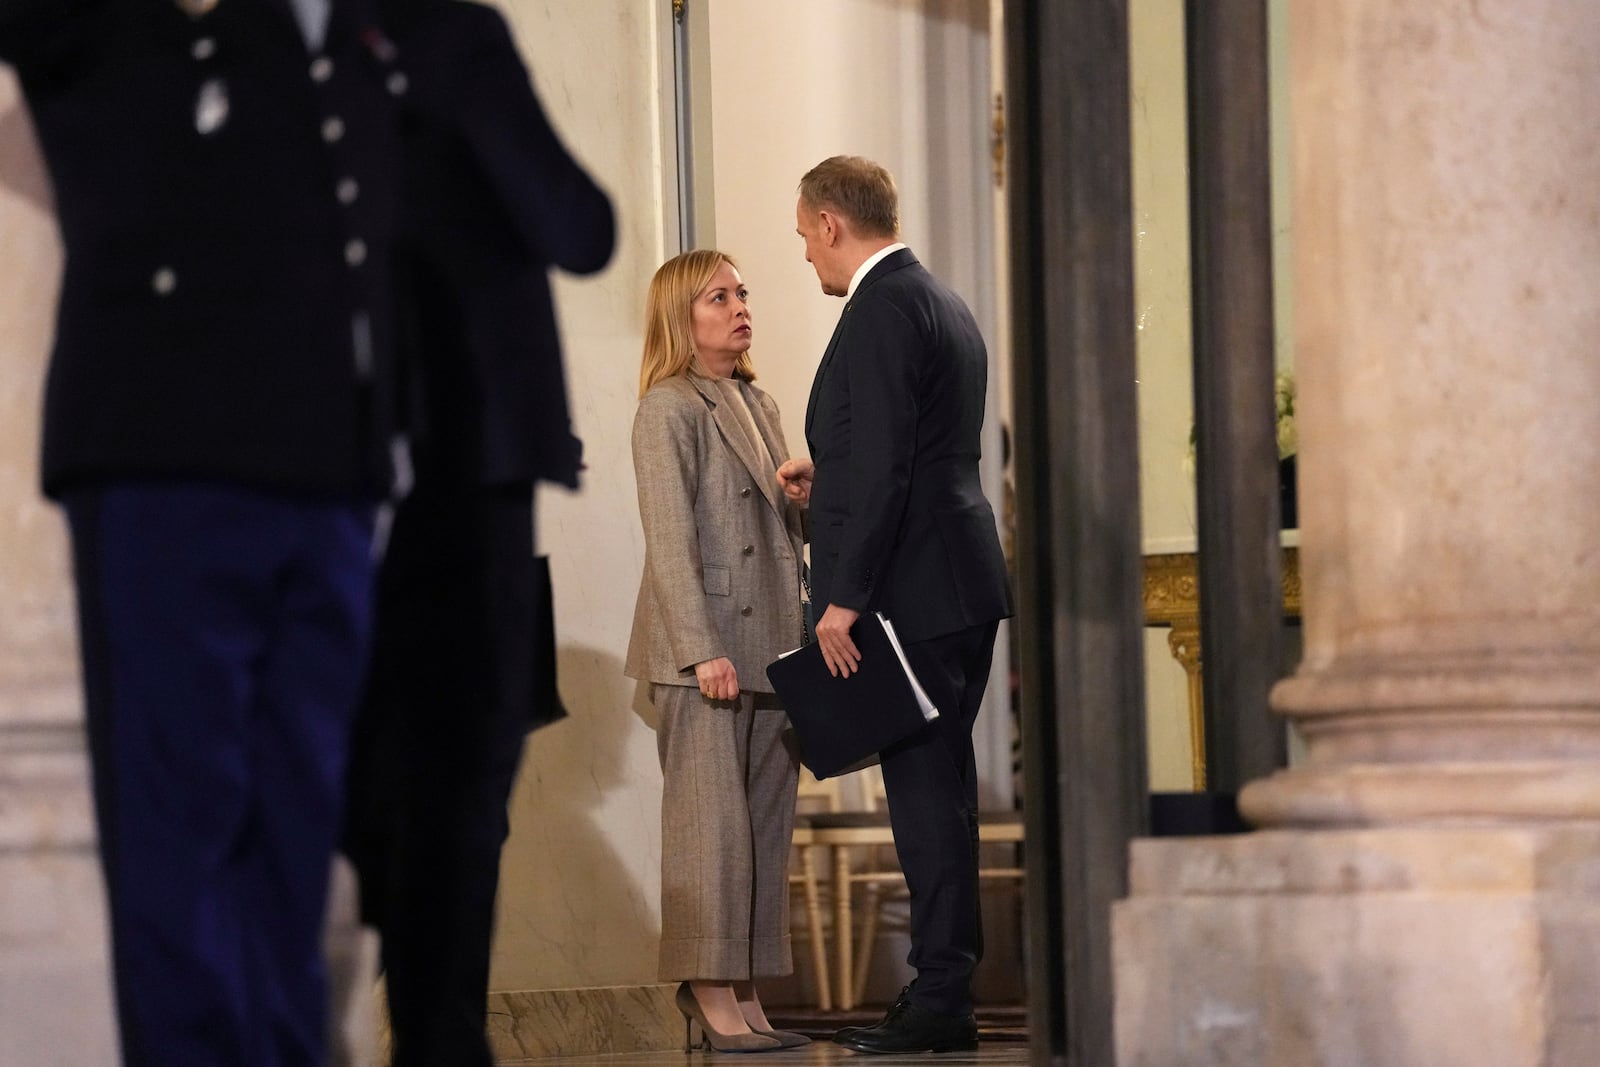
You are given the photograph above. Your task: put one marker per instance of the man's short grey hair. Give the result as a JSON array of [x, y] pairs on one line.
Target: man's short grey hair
[[857, 189]]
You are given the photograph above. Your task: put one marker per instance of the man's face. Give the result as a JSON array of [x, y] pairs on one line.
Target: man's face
[[821, 249]]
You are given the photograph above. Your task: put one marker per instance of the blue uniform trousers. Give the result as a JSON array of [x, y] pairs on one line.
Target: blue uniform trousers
[[224, 635]]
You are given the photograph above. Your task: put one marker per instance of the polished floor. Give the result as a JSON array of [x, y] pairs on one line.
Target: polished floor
[[820, 1052], [1002, 1032]]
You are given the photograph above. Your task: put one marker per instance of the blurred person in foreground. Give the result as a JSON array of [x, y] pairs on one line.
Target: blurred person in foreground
[[464, 651], [217, 426], [900, 525], [719, 600]]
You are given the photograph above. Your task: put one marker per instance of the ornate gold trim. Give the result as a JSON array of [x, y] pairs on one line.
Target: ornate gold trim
[[1172, 598]]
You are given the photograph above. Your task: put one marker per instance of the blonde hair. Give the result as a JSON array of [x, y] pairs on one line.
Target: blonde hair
[[668, 329], [858, 189]]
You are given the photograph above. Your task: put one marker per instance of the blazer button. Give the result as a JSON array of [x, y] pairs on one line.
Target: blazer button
[[745, 491], [746, 610], [748, 549]]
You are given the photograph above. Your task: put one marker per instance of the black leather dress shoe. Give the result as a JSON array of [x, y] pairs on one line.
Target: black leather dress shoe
[[914, 1029], [901, 1002]]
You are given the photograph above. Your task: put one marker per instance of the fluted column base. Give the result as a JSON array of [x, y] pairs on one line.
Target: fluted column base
[[55, 990], [1375, 795], [1362, 948]]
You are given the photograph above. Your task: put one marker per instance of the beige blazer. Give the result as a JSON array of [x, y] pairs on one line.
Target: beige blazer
[[722, 543]]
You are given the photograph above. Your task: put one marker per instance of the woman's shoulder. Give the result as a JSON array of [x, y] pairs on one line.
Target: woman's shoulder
[[677, 389], [673, 399]]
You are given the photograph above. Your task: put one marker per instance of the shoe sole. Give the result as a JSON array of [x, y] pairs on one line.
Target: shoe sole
[[950, 1047]]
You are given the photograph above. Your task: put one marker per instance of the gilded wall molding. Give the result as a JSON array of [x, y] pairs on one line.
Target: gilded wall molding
[[1172, 599]]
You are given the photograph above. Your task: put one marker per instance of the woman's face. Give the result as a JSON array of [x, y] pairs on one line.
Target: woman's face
[[720, 321]]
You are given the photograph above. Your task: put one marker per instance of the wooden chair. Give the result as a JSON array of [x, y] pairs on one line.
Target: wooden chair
[[863, 855], [814, 798]]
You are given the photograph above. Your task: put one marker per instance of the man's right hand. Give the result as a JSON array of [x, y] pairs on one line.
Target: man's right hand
[[839, 649], [794, 478]]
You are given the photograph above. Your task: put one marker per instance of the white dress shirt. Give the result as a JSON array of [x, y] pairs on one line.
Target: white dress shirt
[[872, 261]]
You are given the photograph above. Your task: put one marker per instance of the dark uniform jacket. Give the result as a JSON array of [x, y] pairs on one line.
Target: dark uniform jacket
[[226, 200], [899, 522]]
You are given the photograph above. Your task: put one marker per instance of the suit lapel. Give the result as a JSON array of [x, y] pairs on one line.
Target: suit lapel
[[733, 432], [777, 448], [816, 382]]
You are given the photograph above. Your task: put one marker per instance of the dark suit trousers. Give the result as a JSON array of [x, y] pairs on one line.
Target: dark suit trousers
[[435, 756], [224, 635], [931, 782]]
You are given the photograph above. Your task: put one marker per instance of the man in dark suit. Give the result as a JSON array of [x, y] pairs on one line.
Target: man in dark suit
[[464, 655], [899, 524], [217, 425]]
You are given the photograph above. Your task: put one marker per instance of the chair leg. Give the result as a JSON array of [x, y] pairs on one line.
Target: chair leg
[[819, 950], [871, 902], [841, 924]]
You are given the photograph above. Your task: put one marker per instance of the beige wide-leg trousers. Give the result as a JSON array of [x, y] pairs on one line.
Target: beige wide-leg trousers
[[727, 819]]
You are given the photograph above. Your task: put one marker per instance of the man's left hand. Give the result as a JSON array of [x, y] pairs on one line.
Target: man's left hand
[[839, 652]]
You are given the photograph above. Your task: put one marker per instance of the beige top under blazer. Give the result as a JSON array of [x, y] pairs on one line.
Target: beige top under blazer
[[722, 543]]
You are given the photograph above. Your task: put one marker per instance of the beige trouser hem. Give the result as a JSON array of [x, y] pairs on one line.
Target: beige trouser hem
[[706, 960], [727, 820]]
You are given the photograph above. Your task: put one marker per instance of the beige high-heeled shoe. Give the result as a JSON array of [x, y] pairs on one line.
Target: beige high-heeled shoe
[[784, 1038], [694, 1016]]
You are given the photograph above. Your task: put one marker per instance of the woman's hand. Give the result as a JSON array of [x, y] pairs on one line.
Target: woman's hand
[[794, 478], [718, 679]]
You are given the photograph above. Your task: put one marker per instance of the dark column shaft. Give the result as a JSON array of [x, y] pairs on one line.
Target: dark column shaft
[[1080, 632], [1230, 202]]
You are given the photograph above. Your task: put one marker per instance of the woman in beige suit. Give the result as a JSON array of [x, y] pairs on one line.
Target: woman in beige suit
[[719, 601]]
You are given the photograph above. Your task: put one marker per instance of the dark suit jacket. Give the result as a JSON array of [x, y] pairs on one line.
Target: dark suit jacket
[[492, 202], [899, 522], [214, 277]]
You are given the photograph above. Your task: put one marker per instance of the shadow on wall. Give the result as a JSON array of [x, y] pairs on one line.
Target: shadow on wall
[[580, 875]]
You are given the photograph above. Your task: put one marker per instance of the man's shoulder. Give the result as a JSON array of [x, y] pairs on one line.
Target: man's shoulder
[[910, 290]]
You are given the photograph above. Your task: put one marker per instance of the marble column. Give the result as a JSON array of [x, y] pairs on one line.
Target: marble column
[[1425, 887], [55, 997]]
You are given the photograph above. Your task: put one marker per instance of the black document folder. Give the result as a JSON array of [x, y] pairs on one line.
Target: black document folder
[[842, 723]]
